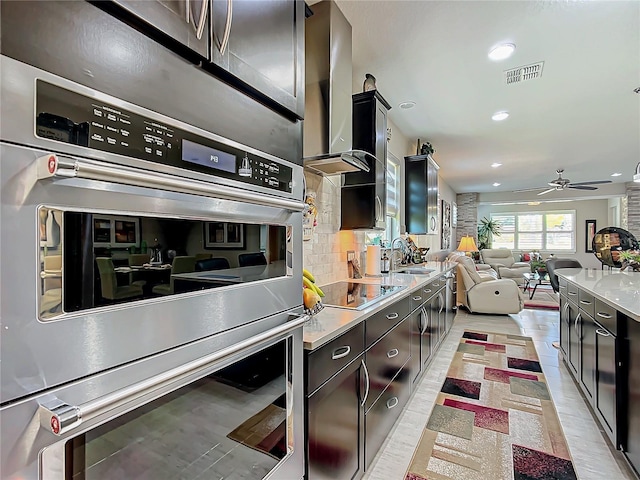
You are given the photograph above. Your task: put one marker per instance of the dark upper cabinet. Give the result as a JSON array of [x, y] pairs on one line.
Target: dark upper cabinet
[[259, 46], [364, 194], [183, 23], [421, 195]]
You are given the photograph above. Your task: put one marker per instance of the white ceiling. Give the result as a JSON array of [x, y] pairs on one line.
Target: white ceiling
[[581, 114]]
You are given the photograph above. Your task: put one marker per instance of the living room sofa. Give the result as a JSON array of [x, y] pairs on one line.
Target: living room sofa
[[503, 262]]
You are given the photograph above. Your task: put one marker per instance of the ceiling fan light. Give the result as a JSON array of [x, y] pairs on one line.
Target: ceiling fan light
[[499, 116], [636, 176]]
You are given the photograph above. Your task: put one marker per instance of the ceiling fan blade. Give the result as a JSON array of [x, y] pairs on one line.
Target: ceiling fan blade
[[582, 187], [547, 191], [597, 182], [529, 189]]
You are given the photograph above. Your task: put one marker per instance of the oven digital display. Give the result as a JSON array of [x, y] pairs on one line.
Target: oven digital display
[[209, 157]]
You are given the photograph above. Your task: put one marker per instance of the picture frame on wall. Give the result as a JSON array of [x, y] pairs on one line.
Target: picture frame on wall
[[445, 210], [590, 232], [454, 214], [224, 235]]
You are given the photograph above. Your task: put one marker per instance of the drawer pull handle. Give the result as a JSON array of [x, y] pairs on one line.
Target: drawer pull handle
[[584, 302], [435, 284], [603, 315], [562, 287], [393, 353], [392, 402], [603, 332], [341, 352], [426, 290], [417, 298], [573, 293], [392, 316]]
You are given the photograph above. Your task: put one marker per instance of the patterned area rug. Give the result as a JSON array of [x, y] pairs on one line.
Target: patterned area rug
[[543, 299], [493, 418]]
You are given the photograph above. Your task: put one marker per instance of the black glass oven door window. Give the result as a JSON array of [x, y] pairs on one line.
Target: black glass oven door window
[[231, 424]]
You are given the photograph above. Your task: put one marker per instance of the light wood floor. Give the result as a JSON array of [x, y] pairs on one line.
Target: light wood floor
[[592, 456]]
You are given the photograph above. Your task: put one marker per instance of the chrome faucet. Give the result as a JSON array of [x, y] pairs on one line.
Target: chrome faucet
[[402, 251]]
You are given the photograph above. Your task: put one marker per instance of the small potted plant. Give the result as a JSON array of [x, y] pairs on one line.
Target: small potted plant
[[539, 267], [630, 259]]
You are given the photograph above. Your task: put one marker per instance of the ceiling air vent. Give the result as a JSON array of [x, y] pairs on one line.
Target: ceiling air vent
[[522, 74]]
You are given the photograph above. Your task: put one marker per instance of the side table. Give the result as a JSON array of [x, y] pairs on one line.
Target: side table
[[535, 279]]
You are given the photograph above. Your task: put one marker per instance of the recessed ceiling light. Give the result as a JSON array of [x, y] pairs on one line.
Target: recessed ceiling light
[[407, 105], [496, 165], [496, 184], [502, 51], [616, 174], [499, 116]]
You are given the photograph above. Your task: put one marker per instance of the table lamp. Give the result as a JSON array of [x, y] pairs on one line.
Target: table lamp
[[467, 245]]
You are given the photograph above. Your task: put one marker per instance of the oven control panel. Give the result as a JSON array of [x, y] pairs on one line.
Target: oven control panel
[[69, 117]]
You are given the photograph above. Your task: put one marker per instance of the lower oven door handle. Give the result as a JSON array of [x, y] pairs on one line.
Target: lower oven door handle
[[59, 417], [53, 165]]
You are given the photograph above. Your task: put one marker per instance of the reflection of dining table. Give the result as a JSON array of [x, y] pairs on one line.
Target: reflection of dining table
[[153, 274]]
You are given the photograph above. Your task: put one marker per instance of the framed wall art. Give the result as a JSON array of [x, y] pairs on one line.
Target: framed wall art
[[224, 235], [445, 244]]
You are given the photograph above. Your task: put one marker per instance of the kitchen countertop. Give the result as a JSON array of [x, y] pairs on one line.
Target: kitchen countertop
[[620, 290], [331, 322]]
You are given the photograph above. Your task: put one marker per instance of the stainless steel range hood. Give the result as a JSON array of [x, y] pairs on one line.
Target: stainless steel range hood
[[328, 105]]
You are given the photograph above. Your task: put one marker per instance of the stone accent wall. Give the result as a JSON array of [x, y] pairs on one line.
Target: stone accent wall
[[325, 255], [467, 216], [632, 211]]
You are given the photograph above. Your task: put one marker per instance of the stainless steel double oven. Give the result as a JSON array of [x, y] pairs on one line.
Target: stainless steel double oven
[[150, 290]]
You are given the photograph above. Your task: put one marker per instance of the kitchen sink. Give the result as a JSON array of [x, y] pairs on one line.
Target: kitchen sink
[[416, 270]]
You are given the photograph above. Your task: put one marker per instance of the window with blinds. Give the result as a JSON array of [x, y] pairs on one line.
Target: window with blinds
[[551, 231]]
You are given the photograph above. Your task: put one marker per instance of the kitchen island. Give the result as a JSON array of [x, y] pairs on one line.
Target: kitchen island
[[600, 343], [361, 365]]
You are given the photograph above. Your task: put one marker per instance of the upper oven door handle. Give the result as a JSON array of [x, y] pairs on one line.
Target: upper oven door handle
[[53, 165], [59, 417]]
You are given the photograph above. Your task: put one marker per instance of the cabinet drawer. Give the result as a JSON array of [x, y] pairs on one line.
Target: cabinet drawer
[[606, 316], [586, 302], [381, 417], [572, 292], [330, 358], [562, 285], [386, 358], [418, 297], [380, 323]]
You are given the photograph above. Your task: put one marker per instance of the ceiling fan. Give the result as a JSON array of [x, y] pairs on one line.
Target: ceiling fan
[[561, 183]]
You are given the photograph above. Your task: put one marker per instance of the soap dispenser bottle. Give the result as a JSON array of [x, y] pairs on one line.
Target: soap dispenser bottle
[[385, 263]]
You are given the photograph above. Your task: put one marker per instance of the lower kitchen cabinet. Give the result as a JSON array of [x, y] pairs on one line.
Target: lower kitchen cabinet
[[335, 426], [382, 415], [587, 328], [420, 342]]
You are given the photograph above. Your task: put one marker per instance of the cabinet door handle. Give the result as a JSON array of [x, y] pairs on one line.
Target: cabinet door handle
[[187, 9], [392, 402], [441, 302], [603, 332], [379, 209], [604, 315], [366, 391], [426, 321], [417, 298], [575, 324], [393, 353], [341, 352], [564, 311], [392, 316], [222, 44], [584, 302], [199, 25], [432, 224]]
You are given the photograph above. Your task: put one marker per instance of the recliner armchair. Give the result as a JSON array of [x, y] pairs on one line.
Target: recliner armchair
[[483, 293], [502, 261]]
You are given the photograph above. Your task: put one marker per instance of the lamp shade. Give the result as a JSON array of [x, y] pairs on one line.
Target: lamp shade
[[467, 244]]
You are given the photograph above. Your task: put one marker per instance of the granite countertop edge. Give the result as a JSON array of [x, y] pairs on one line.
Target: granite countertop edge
[[332, 322], [620, 290]]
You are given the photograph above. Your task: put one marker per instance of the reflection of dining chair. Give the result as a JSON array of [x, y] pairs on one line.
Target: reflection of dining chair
[[218, 263], [249, 259], [203, 256], [51, 301], [138, 259], [109, 283], [179, 265]]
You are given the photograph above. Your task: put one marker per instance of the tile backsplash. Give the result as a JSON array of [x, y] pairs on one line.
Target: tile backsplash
[[325, 254]]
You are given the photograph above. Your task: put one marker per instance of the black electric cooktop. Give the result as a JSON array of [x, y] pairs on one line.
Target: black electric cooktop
[[355, 295]]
